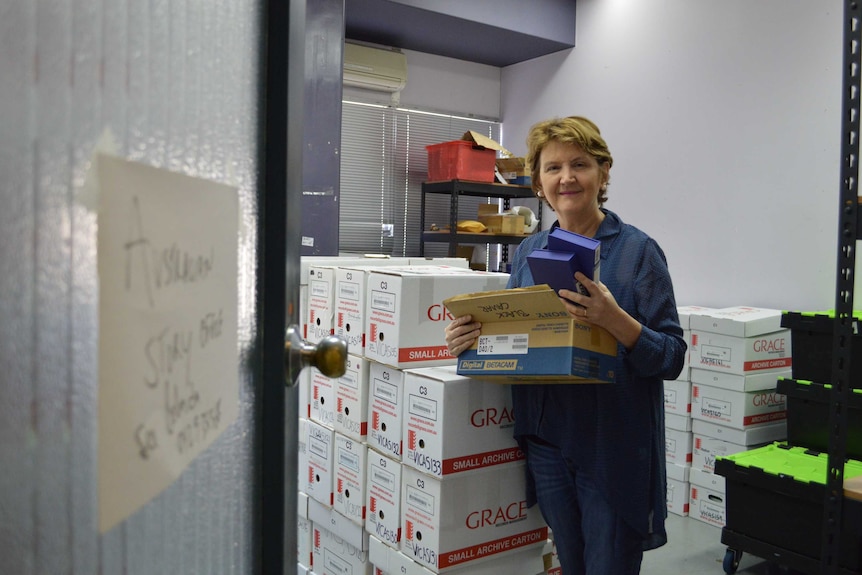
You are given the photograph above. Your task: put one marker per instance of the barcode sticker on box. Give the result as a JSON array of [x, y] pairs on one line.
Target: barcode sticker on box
[[503, 344]]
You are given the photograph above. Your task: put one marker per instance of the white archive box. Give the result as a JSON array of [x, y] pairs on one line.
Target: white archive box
[[334, 555], [322, 398], [677, 446], [388, 561], [350, 474], [678, 471], [305, 263], [736, 408], [706, 449], [385, 406], [455, 424], [740, 340], [678, 493], [350, 300], [316, 481], [678, 422], [750, 436], [677, 397], [707, 505], [462, 519], [686, 311], [758, 381], [405, 315], [320, 308], [383, 498], [351, 398], [706, 479], [303, 530]]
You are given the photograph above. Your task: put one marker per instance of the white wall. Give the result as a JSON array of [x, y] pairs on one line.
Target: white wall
[[724, 122]]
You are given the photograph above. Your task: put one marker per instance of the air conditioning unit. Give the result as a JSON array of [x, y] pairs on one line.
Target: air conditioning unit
[[374, 68]]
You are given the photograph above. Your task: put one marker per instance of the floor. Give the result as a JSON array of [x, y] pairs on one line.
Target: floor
[[695, 548]]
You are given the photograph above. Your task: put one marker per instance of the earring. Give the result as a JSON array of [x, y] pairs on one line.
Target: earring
[[605, 187], [540, 194]]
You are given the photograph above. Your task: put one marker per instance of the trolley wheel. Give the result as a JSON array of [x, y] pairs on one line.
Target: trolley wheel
[[731, 561]]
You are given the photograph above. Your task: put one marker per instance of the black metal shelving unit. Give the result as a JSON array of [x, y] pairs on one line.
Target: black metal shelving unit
[[849, 234], [457, 188]]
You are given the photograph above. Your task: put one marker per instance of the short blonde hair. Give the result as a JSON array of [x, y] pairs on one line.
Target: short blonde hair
[[575, 130]]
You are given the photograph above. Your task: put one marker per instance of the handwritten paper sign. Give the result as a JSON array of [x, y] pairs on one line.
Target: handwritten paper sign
[[168, 365]]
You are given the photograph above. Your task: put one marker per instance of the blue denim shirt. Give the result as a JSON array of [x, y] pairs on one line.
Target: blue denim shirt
[[615, 432]]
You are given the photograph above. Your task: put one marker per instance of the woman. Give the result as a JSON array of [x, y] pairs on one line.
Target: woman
[[596, 453]]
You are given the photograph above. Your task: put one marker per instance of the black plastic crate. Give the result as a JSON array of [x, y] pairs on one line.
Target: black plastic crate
[[775, 494], [808, 405], [811, 344]]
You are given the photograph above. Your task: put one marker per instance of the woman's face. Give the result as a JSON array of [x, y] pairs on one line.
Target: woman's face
[[571, 179]]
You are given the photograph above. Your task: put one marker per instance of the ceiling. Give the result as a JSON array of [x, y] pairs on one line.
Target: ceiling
[[394, 23]]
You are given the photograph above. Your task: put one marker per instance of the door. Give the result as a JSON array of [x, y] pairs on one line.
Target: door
[[210, 89]]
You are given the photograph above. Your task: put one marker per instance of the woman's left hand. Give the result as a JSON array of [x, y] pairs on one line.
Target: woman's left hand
[[601, 308], [597, 308]]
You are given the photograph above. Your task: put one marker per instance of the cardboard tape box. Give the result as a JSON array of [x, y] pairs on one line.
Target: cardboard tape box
[[528, 337]]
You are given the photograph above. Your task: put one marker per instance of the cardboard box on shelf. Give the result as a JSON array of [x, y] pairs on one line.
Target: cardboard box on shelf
[[454, 424], [509, 224], [465, 519], [528, 337]]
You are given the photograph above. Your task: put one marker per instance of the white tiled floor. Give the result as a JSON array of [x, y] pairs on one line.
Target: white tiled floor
[[695, 548]]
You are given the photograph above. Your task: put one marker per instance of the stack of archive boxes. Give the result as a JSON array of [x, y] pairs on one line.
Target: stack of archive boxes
[[678, 424], [737, 355], [406, 466]]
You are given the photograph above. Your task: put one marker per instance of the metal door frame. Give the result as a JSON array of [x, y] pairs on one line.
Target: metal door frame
[[280, 152]]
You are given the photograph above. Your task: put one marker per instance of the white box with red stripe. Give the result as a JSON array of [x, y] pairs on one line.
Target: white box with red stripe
[[737, 409], [349, 472], [405, 316], [385, 404], [454, 424], [740, 340], [383, 499], [351, 399], [467, 518]]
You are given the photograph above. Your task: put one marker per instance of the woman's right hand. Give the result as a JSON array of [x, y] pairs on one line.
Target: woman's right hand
[[461, 333]]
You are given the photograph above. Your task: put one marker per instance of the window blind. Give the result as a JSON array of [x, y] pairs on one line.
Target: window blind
[[383, 165]]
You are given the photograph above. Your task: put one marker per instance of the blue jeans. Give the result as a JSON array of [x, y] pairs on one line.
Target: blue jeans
[[589, 536]]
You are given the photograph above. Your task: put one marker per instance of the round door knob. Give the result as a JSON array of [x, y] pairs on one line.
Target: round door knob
[[329, 356]]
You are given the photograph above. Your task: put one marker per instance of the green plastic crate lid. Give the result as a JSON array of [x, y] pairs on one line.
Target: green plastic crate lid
[[795, 462], [830, 313], [817, 384]]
